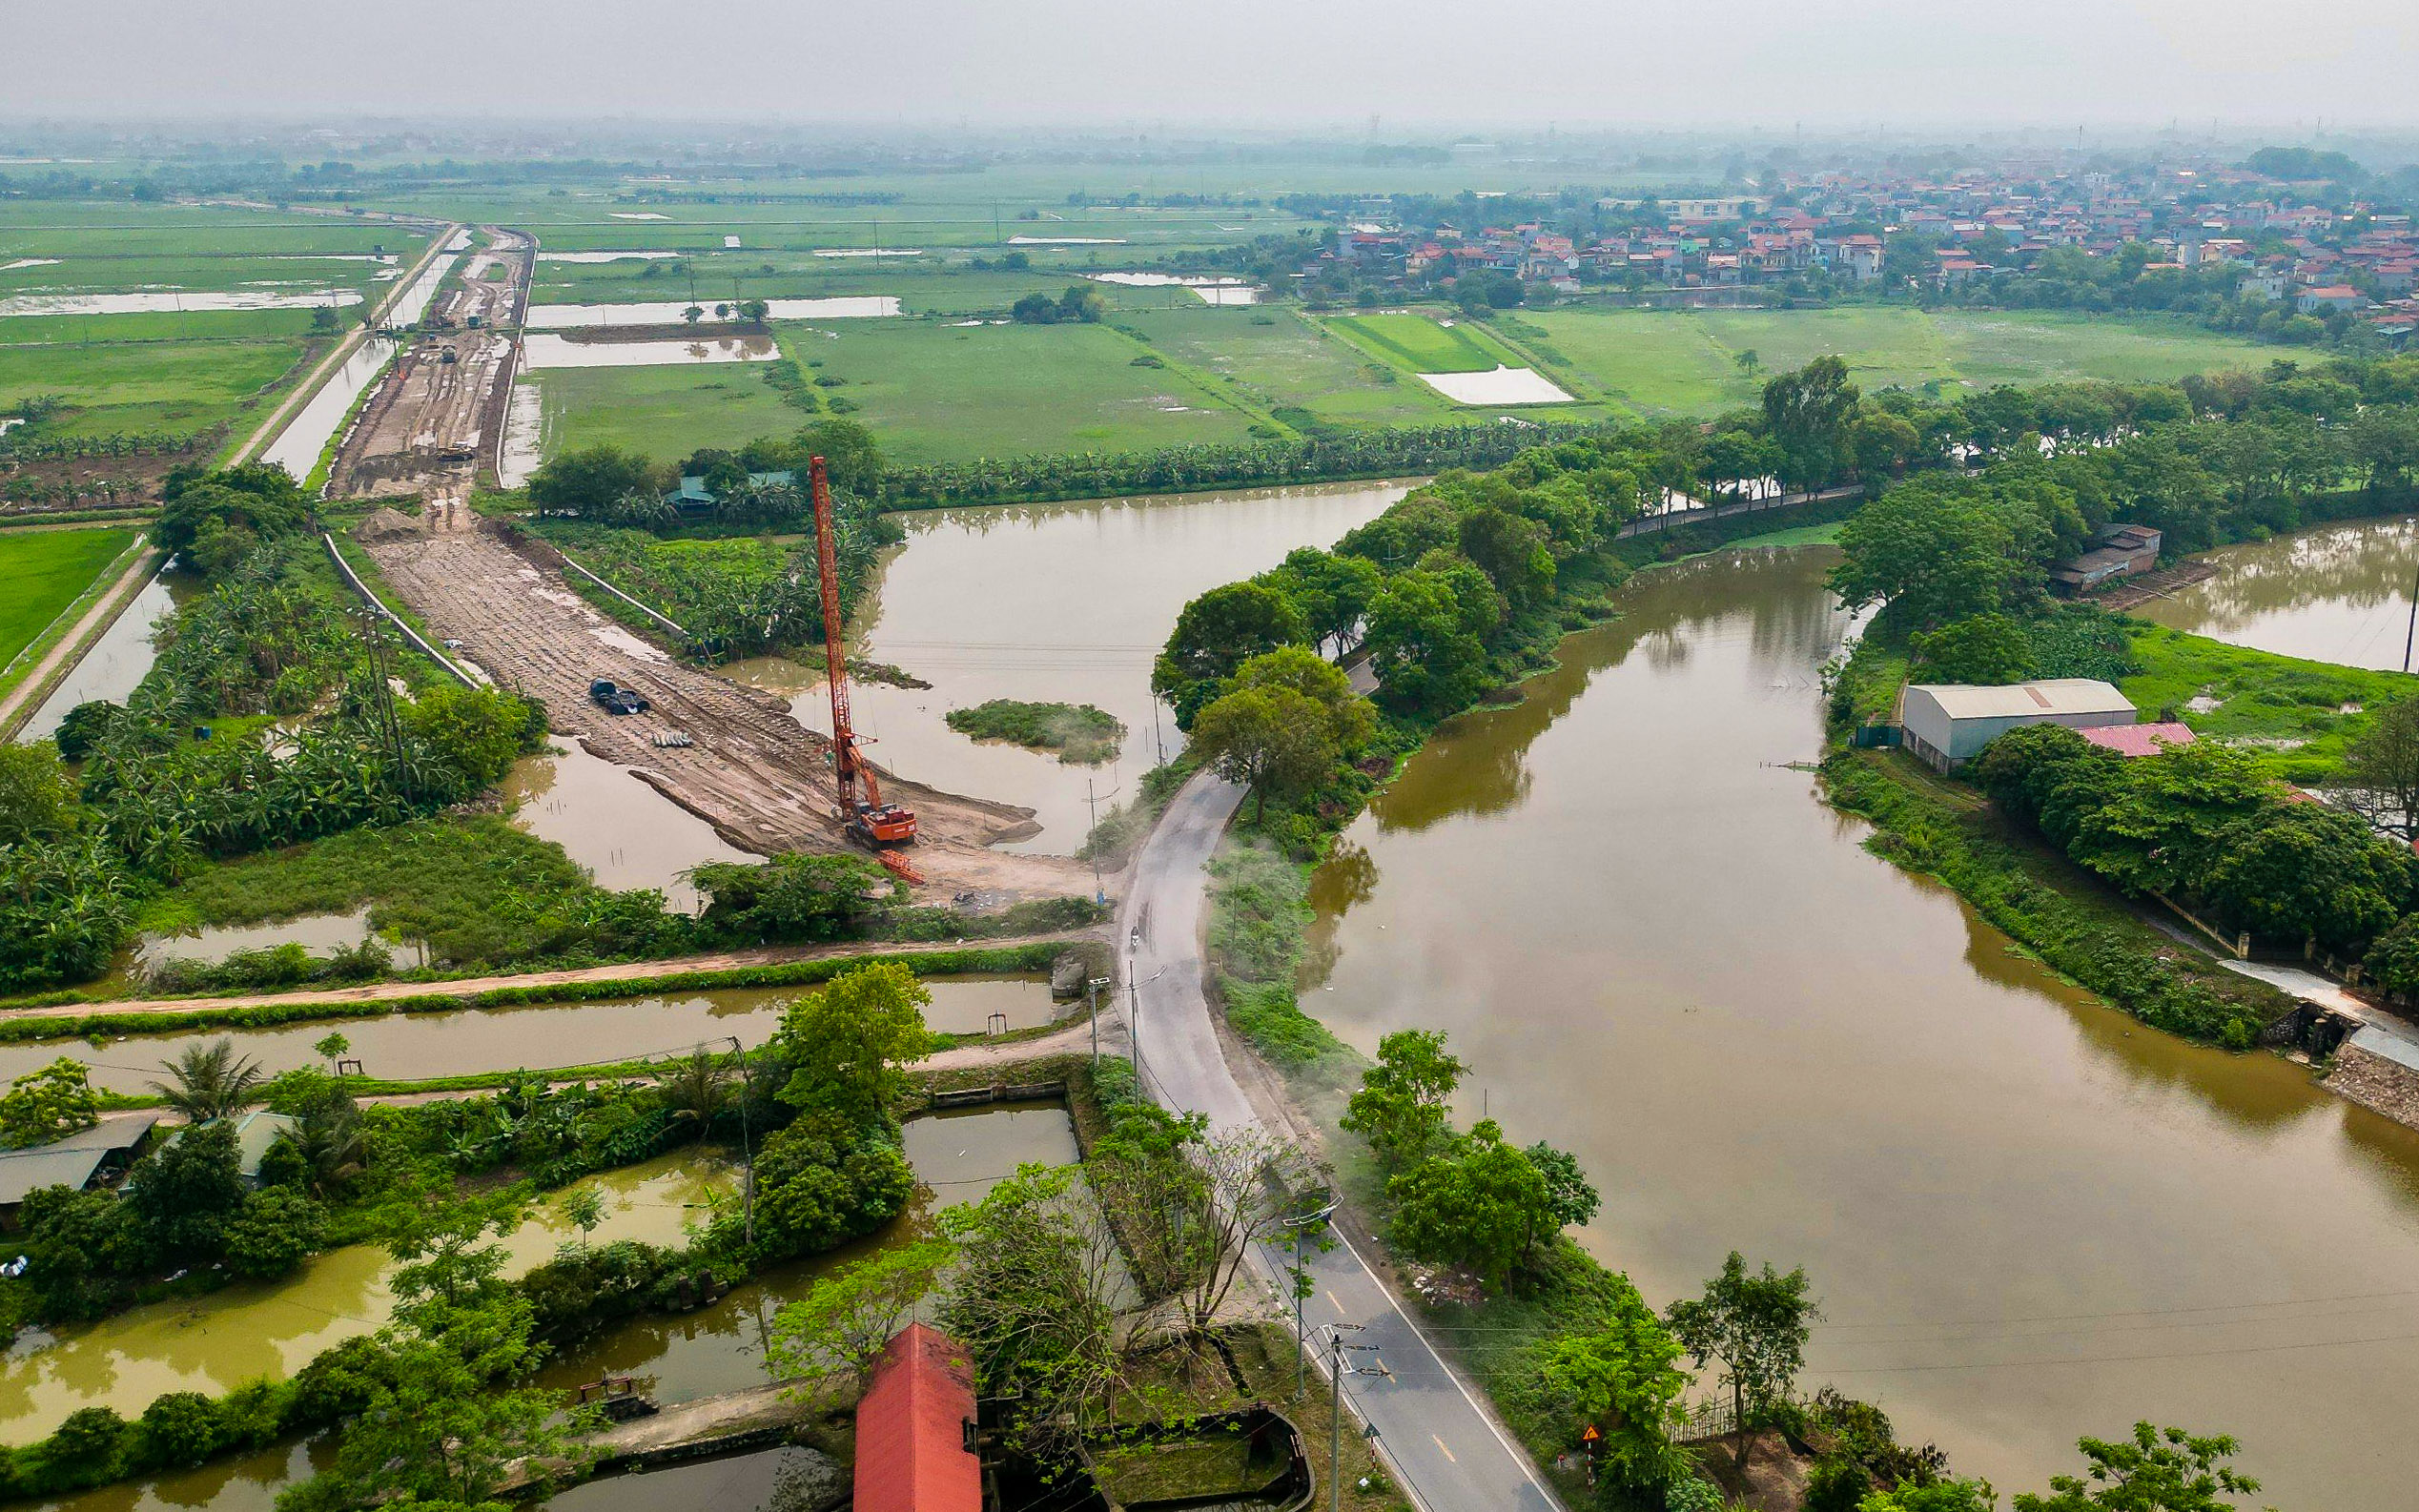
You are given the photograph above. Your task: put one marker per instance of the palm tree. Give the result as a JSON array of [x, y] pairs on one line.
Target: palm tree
[[695, 1090], [211, 1081]]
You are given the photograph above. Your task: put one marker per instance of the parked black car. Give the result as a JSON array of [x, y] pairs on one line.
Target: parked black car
[[618, 699]]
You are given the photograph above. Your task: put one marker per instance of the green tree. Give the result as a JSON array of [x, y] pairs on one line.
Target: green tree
[[2380, 777], [584, 1208], [2156, 1470], [695, 1090], [478, 731], [178, 1430], [331, 1048], [590, 479], [1806, 414], [1755, 1327], [1331, 591], [1986, 649], [2300, 871], [48, 1104], [1350, 720], [37, 800], [1427, 641], [820, 1183], [211, 1081], [852, 455], [1511, 551], [1478, 1203], [1940, 1495], [1404, 1099], [1033, 1302], [1622, 1375], [793, 898], [183, 1196], [847, 1044], [77, 1244], [1267, 739], [1217, 633], [277, 1229], [839, 1328]]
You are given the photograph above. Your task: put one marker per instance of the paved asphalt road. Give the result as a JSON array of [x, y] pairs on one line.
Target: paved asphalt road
[[1441, 1442]]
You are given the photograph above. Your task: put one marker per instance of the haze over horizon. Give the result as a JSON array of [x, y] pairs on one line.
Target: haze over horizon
[[1759, 63]]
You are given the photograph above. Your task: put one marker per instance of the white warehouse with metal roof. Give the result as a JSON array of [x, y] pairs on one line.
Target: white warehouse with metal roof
[[1948, 723]]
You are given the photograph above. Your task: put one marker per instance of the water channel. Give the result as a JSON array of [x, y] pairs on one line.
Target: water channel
[[409, 1046], [2027, 1217], [117, 662], [957, 1158], [1051, 602], [2333, 593]]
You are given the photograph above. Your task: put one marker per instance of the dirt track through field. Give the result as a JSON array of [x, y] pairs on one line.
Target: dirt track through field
[[759, 777]]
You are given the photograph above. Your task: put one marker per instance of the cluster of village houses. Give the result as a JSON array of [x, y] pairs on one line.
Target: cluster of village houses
[[2319, 260]]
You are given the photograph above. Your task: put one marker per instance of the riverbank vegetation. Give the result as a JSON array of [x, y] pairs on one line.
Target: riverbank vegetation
[[1079, 733], [1959, 564]]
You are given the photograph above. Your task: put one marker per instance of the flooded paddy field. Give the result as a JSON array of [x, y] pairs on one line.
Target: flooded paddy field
[[2027, 1217]]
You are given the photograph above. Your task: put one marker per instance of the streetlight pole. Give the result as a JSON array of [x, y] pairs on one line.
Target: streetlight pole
[[746, 1150]]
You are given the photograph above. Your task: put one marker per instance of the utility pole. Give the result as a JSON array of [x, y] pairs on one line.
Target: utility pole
[[2409, 634], [1091, 999], [1336, 1369], [746, 1150], [1091, 803]]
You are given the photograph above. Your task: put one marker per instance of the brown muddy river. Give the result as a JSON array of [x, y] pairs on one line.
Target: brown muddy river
[[2027, 1217], [1052, 604], [2334, 593]]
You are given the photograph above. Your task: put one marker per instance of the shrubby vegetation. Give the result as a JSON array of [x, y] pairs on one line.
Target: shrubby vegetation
[[1078, 732], [435, 1405]]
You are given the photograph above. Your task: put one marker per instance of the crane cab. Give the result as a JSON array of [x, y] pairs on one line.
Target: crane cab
[[886, 824]]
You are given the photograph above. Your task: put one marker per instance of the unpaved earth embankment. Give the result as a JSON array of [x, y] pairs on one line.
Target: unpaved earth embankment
[[759, 777]]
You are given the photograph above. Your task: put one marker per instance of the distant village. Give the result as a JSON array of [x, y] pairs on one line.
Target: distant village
[[2019, 233]]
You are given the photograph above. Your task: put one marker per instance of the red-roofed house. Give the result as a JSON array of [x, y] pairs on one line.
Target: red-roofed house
[[2139, 740], [916, 1428]]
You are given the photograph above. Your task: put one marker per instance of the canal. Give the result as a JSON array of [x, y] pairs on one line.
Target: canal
[[2028, 1219], [2332, 593]]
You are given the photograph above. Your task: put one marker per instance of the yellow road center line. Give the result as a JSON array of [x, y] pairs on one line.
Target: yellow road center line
[[1448, 1454]]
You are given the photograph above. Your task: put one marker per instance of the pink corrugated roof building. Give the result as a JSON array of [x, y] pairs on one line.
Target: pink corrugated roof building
[[2139, 740]]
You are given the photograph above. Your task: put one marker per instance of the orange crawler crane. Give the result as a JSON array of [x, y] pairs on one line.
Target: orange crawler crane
[[871, 822]]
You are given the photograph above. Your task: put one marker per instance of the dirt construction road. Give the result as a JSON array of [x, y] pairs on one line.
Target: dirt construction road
[[759, 777]]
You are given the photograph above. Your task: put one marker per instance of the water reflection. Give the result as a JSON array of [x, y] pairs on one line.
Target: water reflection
[[2335, 593], [2028, 1216]]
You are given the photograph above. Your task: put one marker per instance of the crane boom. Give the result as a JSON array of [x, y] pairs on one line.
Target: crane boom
[[870, 820]]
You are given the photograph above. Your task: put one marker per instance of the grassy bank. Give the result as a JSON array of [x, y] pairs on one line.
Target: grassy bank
[[2301, 715]]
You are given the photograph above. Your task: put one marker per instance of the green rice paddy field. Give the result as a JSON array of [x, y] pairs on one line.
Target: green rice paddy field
[[42, 572], [176, 386], [1421, 343], [1280, 360], [1684, 363], [935, 392], [663, 412]]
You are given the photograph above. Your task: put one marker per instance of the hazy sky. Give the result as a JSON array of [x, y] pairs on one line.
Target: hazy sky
[[1631, 63]]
